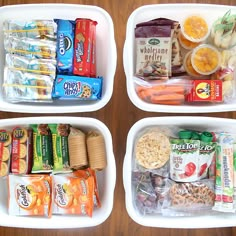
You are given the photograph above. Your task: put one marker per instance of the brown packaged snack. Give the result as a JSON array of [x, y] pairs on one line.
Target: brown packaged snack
[[96, 151], [84, 42], [22, 150], [5, 152]]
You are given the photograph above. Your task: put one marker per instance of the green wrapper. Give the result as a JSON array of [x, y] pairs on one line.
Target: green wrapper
[[60, 134], [42, 149]]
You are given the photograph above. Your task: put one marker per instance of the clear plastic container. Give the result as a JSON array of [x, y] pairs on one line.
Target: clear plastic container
[[188, 65], [205, 59]]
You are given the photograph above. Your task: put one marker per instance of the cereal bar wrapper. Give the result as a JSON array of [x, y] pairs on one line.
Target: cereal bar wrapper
[[31, 48], [84, 49], [5, 152], [38, 66], [65, 45], [60, 134], [77, 88], [73, 195], [35, 29], [21, 86], [42, 149], [22, 150], [29, 195]]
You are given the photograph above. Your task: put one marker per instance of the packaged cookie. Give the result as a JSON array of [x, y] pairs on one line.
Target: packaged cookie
[[83, 49], [42, 149], [35, 29], [30, 195], [65, 45], [5, 152], [77, 149], [22, 150], [60, 134], [96, 148], [77, 88], [73, 195]]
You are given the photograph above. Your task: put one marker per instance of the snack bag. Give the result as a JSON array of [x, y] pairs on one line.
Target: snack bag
[[42, 149], [73, 195], [85, 174], [60, 134], [5, 152], [30, 195], [22, 150]]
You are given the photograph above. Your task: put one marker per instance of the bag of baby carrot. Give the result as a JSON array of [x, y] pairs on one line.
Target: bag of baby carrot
[[29, 195]]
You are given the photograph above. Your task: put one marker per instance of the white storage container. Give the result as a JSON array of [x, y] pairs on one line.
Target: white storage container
[[106, 54], [174, 12], [106, 180], [215, 219]]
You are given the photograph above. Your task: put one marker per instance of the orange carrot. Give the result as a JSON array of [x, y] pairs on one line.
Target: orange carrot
[[174, 102], [168, 97]]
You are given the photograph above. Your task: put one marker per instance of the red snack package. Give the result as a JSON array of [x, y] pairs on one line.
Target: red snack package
[[5, 152], [84, 43], [205, 90], [22, 141]]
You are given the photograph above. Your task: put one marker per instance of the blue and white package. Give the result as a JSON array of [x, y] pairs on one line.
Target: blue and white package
[[65, 45], [77, 87]]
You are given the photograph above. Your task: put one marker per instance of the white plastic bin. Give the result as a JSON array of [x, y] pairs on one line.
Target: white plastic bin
[[106, 54], [210, 220], [106, 180], [174, 12]]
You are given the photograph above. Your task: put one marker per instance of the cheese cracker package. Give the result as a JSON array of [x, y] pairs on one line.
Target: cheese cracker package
[[29, 195], [73, 195], [5, 152], [22, 144]]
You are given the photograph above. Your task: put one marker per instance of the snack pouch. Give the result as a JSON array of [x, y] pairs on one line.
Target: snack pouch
[[83, 51], [60, 134], [85, 174], [65, 45], [29, 195], [5, 152], [22, 150], [31, 48], [73, 195], [26, 87], [38, 66], [42, 149], [184, 160], [206, 154], [153, 51], [77, 88], [35, 29]]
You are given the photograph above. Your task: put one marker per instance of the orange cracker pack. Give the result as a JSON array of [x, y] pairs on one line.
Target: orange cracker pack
[[73, 195], [5, 152], [85, 174], [29, 195]]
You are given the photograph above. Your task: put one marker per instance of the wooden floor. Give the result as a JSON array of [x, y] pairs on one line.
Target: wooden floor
[[119, 115]]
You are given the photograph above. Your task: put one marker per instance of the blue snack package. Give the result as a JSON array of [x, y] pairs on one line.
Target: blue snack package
[[77, 87], [65, 45]]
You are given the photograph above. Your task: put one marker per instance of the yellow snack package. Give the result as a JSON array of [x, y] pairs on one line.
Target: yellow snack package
[[29, 195]]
